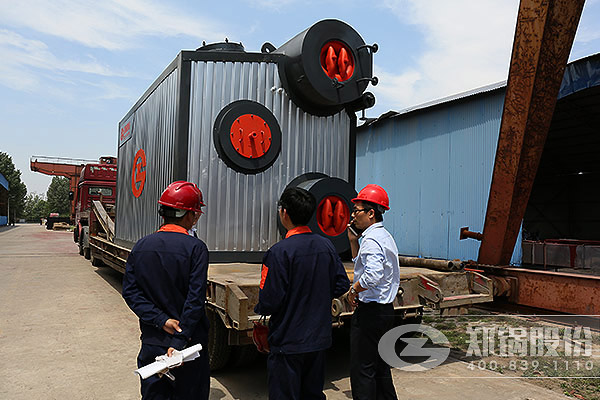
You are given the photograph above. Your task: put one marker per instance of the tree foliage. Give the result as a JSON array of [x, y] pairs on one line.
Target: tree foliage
[[58, 196], [17, 189], [35, 208]]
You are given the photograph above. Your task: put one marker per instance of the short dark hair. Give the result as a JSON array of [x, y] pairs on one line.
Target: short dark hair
[[299, 204], [376, 208], [169, 214]]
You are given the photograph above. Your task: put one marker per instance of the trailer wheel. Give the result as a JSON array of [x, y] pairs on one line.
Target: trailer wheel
[[218, 348], [96, 262]]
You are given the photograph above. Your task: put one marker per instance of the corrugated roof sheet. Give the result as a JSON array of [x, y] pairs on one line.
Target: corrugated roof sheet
[[579, 74]]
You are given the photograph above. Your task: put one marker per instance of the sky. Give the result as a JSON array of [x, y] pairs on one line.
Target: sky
[[71, 69]]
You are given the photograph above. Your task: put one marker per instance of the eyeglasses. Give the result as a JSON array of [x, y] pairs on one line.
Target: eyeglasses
[[357, 210]]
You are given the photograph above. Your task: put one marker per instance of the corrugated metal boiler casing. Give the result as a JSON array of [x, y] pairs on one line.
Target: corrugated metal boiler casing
[[241, 213]]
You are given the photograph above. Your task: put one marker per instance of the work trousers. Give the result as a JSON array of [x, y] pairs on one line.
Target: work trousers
[[296, 376], [192, 379], [370, 376]]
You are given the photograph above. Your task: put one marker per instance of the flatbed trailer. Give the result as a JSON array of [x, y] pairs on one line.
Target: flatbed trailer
[[232, 293]]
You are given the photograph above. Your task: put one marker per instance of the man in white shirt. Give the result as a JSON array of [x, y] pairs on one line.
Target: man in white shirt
[[376, 283]]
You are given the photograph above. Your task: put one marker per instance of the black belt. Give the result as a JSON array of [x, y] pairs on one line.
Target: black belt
[[373, 304]]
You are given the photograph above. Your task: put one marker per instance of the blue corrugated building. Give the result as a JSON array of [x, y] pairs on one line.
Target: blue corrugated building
[[436, 162], [3, 201]]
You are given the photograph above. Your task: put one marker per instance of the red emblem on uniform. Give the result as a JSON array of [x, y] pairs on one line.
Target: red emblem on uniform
[[263, 276]]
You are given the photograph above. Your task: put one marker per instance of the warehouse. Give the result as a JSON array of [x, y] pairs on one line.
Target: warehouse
[[437, 159]]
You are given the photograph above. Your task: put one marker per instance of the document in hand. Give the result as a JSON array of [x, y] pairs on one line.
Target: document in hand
[[163, 363]]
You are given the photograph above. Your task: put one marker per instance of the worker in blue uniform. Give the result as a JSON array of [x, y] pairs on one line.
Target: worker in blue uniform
[[300, 277], [165, 286], [376, 284]]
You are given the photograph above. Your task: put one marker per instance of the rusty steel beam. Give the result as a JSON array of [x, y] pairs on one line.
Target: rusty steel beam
[[554, 291], [543, 39]]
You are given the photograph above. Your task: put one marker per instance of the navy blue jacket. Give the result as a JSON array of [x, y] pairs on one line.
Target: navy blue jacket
[[165, 277], [301, 275]]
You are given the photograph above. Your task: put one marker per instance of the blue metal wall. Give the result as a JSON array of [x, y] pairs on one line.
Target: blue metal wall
[[3, 188], [436, 164]]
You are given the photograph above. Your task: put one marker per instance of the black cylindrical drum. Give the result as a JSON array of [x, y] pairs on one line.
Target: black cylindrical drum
[[325, 67], [334, 206]]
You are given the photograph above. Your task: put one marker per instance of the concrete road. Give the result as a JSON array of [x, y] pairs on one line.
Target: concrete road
[[66, 333]]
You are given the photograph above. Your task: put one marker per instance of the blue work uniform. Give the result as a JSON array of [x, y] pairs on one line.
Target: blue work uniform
[[165, 277], [300, 276]]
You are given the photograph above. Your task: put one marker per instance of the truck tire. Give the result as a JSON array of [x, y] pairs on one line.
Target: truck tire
[[85, 242], [218, 348], [96, 262]]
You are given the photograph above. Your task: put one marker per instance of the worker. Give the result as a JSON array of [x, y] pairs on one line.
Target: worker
[[376, 283], [301, 275], [165, 286]]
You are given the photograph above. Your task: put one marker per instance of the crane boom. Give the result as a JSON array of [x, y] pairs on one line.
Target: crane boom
[[59, 166]]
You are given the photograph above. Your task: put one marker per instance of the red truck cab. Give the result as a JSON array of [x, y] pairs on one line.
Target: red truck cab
[[96, 182]]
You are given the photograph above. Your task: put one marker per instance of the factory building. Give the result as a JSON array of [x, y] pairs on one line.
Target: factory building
[[436, 161]]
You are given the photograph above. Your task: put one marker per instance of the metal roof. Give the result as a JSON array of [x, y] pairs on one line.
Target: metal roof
[[436, 159], [579, 74]]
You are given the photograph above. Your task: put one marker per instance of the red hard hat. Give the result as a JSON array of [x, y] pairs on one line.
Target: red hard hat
[[373, 194], [260, 335], [182, 195]]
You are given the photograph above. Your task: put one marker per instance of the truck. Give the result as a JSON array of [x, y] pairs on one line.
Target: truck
[[97, 181], [244, 127]]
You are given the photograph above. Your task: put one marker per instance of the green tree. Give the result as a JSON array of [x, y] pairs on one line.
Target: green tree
[[58, 196], [35, 208], [16, 188]]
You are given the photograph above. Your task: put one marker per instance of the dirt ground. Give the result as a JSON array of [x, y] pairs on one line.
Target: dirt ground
[[66, 333]]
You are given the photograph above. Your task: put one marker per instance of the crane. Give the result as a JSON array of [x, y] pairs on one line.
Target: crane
[[68, 167]]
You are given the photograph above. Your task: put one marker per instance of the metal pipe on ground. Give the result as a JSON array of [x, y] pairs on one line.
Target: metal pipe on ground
[[431, 263]]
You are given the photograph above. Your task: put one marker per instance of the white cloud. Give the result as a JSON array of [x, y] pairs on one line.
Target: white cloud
[[589, 30], [108, 24], [23, 58], [400, 88], [468, 45]]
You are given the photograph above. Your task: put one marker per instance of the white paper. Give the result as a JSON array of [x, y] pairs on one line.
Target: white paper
[[164, 363]]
